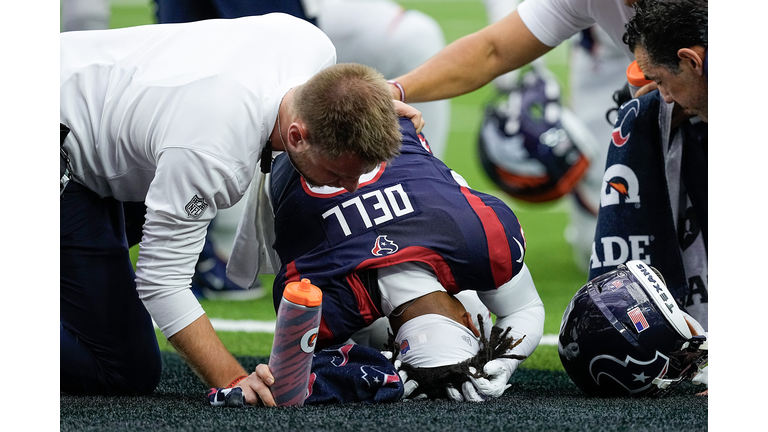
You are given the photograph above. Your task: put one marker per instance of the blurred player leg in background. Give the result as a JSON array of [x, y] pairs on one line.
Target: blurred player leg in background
[[84, 15], [377, 33], [178, 11], [383, 35], [597, 69]]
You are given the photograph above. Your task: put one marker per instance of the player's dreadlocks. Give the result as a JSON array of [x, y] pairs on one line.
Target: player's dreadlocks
[[432, 381]]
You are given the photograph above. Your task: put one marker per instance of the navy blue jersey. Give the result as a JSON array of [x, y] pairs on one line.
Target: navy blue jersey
[[411, 209]]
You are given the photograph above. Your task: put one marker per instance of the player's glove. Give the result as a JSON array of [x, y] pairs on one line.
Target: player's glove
[[408, 385], [226, 397], [479, 389]]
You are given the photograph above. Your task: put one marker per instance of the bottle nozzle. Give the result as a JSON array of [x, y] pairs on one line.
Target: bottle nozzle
[[303, 293], [305, 285]]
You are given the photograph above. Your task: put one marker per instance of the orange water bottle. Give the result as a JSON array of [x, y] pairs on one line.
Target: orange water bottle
[[298, 320], [635, 78]]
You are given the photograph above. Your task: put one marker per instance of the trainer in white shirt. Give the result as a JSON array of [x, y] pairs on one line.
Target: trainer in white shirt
[[177, 116]]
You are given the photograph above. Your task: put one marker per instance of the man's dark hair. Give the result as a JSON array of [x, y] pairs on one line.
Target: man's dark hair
[[662, 27], [432, 381]]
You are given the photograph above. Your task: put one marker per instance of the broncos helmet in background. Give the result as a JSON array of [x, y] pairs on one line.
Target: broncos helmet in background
[[622, 334], [530, 146]]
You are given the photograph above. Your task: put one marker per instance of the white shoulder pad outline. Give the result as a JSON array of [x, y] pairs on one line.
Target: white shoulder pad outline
[[331, 191]]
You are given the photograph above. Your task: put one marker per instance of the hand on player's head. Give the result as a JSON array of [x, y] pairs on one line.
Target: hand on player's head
[[405, 110]]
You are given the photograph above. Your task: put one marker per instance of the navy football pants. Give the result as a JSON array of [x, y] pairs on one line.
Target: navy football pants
[[179, 11], [108, 343]]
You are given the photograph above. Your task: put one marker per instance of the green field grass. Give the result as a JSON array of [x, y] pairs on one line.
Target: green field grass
[[548, 256]]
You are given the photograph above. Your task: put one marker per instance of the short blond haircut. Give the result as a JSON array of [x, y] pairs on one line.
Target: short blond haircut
[[348, 109]]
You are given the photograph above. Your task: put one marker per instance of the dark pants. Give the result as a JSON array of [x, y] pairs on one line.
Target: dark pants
[[108, 343], [179, 11]]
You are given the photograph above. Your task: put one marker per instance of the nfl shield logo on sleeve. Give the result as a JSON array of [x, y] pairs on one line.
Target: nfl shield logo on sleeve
[[195, 207]]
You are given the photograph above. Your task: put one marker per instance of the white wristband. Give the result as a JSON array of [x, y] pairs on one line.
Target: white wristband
[[399, 87]]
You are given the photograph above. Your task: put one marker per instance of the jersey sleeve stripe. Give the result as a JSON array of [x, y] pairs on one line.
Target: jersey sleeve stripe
[[499, 253]]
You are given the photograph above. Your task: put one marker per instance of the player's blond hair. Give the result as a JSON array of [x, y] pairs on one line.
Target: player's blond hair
[[348, 109]]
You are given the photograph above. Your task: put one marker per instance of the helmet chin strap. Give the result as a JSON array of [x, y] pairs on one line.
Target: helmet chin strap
[[697, 330], [663, 383]]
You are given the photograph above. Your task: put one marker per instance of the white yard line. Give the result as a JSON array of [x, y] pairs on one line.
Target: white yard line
[[252, 326]]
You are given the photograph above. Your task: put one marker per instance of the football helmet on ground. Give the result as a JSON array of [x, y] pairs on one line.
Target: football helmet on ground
[[622, 334], [530, 146]]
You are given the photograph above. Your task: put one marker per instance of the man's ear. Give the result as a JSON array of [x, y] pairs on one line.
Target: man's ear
[[467, 318], [297, 137], [693, 57]]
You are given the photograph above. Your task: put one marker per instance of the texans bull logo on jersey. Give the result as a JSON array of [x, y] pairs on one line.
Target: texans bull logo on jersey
[[384, 246], [606, 368]]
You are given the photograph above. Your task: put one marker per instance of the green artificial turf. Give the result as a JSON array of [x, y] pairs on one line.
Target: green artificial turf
[[537, 400]]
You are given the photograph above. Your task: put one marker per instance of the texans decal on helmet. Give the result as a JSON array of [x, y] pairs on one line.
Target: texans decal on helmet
[[618, 136], [658, 290], [633, 375]]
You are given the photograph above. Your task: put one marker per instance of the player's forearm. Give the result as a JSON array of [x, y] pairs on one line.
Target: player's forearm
[[472, 61], [528, 323], [517, 304], [202, 349]]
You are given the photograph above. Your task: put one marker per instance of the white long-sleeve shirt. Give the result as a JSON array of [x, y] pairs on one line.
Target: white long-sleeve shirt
[[176, 115], [554, 21]]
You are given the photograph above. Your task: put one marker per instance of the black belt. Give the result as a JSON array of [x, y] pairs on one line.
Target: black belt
[[66, 168]]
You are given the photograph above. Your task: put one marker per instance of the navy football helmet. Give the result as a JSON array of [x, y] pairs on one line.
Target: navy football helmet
[[623, 335], [530, 146]]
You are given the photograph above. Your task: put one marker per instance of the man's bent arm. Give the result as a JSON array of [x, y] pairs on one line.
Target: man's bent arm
[[472, 61]]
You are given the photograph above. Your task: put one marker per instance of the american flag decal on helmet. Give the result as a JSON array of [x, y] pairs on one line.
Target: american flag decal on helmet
[[637, 317]]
